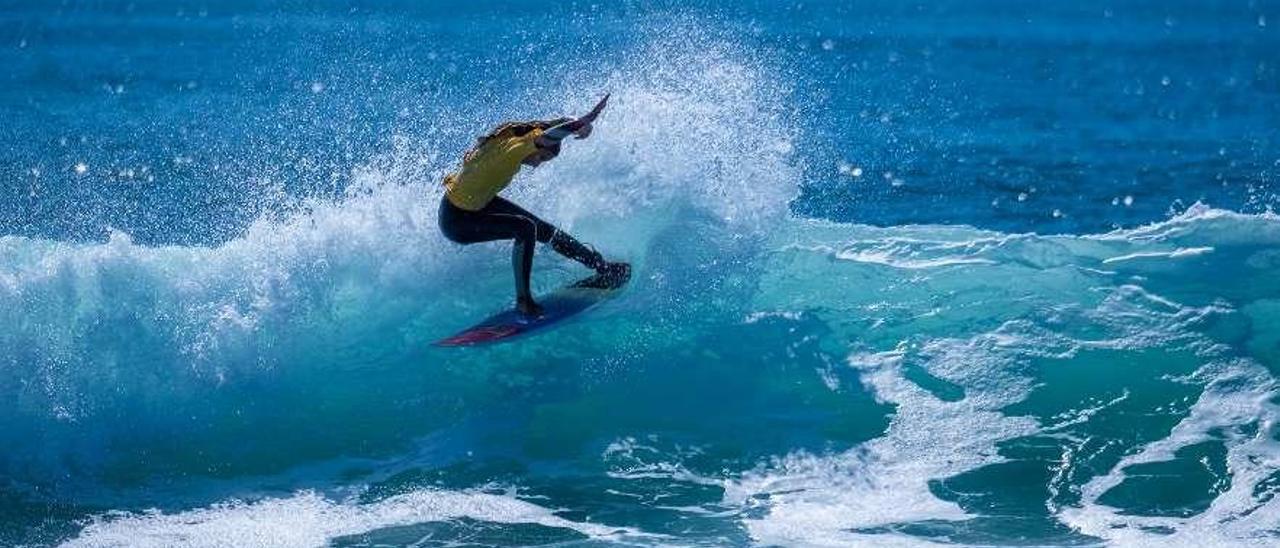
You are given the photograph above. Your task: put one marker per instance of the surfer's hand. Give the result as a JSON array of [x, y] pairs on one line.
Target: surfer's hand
[[582, 126], [595, 111]]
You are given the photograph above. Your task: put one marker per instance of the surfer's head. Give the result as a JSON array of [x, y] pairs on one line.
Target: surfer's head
[[546, 150]]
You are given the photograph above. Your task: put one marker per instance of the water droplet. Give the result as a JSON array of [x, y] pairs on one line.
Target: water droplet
[[1128, 201], [80, 168]]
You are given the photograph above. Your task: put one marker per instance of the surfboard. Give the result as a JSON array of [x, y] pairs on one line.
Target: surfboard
[[558, 306]]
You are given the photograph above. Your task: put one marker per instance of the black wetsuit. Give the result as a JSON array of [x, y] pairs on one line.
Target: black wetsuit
[[503, 220]]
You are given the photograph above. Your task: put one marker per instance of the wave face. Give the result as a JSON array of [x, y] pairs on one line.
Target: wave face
[[776, 373]]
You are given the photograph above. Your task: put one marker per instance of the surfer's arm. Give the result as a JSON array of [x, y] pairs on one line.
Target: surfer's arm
[[553, 135], [581, 127]]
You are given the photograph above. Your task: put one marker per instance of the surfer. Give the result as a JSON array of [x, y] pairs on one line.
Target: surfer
[[471, 210]]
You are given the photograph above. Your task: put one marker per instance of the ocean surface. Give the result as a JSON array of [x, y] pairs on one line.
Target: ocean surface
[[956, 272]]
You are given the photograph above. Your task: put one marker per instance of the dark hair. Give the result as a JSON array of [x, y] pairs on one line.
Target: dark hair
[[519, 128]]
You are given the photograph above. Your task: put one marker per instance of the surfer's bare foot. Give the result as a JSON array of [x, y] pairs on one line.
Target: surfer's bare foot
[[529, 308]]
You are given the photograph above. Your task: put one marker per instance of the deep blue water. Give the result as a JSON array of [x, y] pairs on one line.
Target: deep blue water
[[975, 273]]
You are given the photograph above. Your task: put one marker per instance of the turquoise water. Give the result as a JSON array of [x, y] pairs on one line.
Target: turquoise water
[[986, 273]]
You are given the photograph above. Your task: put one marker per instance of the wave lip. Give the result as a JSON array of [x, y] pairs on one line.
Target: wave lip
[[1175, 254]]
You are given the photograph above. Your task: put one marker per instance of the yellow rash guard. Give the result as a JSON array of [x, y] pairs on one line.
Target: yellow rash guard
[[489, 169]]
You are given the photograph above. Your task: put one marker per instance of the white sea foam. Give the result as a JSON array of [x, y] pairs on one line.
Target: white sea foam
[[760, 315], [912, 253], [631, 458], [817, 500], [308, 519], [1174, 254], [1200, 221], [1237, 407], [695, 121], [887, 258]]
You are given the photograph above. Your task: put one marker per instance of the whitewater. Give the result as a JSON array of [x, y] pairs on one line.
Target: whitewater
[[769, 377]]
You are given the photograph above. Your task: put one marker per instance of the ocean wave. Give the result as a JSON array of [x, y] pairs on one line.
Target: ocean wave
[[893, 376], [973, 357]]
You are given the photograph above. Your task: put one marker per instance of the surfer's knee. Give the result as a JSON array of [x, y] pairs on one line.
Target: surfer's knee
[[526, 231], [547, 232]]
